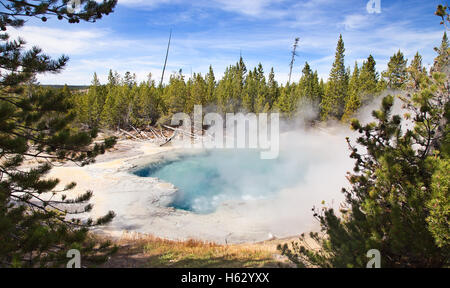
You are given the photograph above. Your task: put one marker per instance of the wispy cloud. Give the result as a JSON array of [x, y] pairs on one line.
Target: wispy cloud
[[356, 21], [59, 41], [255, 8], [148, 3]]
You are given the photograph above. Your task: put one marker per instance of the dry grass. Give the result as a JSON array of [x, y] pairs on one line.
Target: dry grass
[[152, 252]]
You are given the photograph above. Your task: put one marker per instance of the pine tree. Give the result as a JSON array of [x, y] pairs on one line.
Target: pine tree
[[37, 230], [287, 102], [230, 88], [124, 104], [95, 100], [333, 102], [210, 80], [396, 74], [322, 89], [416, 72], [354, 94], [108, 118], [145, 104], [250, 93], [129, 79], [118, 108], [198, 92], [443, 51], [369, 80], [318, 90], [225, 90], [113, 79], [175, 95], [110, 114], [273, 90], [310, 93], [440, 202], [261, 102], [238, 85]]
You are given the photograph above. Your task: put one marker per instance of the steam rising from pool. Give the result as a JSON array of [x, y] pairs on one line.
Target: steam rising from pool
[[311, 168], [210, 178]]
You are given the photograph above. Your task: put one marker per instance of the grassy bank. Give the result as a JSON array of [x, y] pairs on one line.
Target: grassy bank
[[151, 252]]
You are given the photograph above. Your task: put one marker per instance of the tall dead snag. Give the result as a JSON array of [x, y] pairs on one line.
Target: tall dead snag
[[165, 61], [294, 53]]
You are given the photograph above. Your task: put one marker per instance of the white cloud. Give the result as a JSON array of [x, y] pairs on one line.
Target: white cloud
[[355, 21], [60, 41]]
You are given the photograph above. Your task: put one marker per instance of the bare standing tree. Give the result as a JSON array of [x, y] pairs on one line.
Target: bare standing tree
[[167, 55], [294, 53]]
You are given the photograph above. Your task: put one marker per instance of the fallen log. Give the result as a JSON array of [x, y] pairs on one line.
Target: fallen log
[[129, 134], [170, 139], [146, 136], [140, 132], [135, 130], [182, 131], [153, 132], [162, 133]]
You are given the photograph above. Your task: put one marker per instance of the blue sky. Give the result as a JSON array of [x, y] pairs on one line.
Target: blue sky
[[215, 32]]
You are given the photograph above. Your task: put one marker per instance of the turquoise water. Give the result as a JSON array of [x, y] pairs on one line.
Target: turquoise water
[[208, 179]]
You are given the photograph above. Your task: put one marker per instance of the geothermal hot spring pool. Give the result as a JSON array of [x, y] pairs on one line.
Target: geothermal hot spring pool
[[224, 196], [210, 178]]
